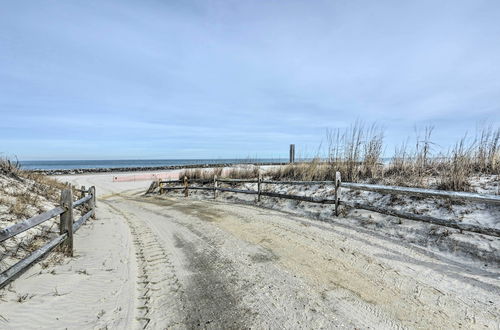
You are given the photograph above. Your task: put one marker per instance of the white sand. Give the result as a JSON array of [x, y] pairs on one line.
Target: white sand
[[171, 262]]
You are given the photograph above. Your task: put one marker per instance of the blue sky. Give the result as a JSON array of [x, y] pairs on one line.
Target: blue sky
[[209, 79]]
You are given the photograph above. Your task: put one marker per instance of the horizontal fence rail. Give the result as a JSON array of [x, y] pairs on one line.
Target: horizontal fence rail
[[382, 189], [67, 228], [19, 267], [22, 226], [311, 199], [426, 218], [82, 201], [238, 180], [394, 190]]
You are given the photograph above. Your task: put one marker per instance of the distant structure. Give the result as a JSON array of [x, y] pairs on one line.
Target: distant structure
[[292, 153]]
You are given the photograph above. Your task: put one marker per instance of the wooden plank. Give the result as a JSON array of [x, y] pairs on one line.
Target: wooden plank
[[285, 196], [454, 195], [82, 201], [300, 198], [173, 188], [425, 218], [190, 180], [186, 187], [81, 221], [421, 192], [29, 223], [92, 203], [251, 192], [153, 186], [200, 188], [338, 182], [215, 187], [170, 181], [200, 181], [259, 188], [190, 188], [299, 182], [239, 180], [66, 221], [22, 265]]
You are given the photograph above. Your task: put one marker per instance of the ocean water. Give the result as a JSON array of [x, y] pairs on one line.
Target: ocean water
[[77, 164]]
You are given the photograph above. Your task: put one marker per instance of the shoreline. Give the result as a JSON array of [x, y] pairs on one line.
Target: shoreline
[[143, 168]]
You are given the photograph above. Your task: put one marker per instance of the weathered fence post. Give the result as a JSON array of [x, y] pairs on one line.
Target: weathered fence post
[[215, 186], [92, 201], [292, 153], [83, 190], [186, 192], [160, 185], [259, 182], [338, 181], [66, 221]]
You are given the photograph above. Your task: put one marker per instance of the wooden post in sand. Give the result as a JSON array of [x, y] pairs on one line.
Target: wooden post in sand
[[83, 190], [66, 221], [259, 182], [160, 186], [92, 201], [292, 153], [186, 192], [215, 186], [338, 181]]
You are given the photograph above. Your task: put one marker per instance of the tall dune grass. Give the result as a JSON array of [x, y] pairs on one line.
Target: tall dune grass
[[356, 152], [244, 172], [43, 185]]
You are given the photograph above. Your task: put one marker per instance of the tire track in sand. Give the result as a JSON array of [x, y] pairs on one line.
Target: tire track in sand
[[158, 288]]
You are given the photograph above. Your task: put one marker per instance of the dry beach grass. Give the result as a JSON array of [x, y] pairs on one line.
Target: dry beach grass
[[357, 153], [241, 172]]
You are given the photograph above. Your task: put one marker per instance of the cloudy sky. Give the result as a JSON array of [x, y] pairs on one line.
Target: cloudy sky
[[233, 78]]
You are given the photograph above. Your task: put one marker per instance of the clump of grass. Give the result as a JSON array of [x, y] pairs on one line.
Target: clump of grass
[[457, 169], [247, 172], [486, 151], [480, 155], [410, 167], [23, 297], [21, 207], [10, 167], [200, 174], [316, 170], [354, 152], [250, 172]]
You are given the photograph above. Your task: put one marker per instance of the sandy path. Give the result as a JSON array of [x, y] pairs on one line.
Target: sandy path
[[269, 269], [182, 263]]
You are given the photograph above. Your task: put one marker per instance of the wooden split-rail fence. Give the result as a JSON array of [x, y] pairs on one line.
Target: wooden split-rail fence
[[163, 187], [67, 227]]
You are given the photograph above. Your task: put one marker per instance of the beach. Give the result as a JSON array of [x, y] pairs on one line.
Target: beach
[[174, 262], [250, 165]]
